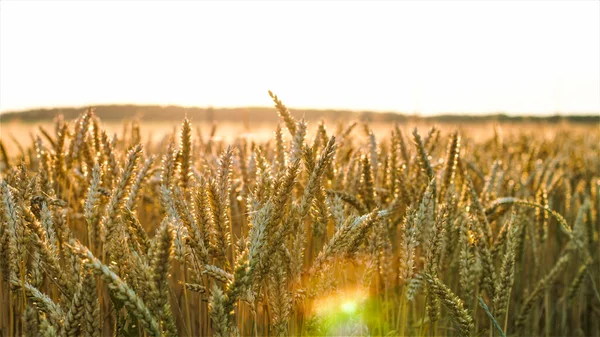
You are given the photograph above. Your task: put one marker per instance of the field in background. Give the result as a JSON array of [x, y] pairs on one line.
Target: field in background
[[15, 133]]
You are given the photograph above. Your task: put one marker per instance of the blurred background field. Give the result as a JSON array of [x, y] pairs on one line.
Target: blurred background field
[[257, 123]]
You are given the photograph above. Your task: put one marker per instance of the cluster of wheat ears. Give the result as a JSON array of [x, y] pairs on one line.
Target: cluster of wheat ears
[[399, 234]]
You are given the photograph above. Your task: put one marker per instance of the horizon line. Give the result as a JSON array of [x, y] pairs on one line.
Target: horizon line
[[378, 111]]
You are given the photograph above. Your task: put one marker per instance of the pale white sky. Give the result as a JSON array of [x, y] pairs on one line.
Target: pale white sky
[[408, 56]]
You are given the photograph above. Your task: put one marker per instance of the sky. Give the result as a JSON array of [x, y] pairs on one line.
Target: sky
[[533, 57]]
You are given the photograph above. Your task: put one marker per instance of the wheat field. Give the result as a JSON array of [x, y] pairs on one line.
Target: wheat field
[[305, 230]]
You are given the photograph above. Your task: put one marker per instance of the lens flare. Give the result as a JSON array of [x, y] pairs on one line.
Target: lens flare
[[342, 313], [345, 302], [349, 307]]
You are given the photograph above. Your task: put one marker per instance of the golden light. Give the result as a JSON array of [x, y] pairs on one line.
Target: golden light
[[346, 302], [343, 312], [349, 307]]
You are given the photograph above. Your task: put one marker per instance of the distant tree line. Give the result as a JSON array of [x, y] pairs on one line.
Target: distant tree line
[[263, 115]]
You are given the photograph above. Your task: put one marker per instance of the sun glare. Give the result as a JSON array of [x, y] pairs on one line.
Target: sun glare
[[345, 302], [349, 307]]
